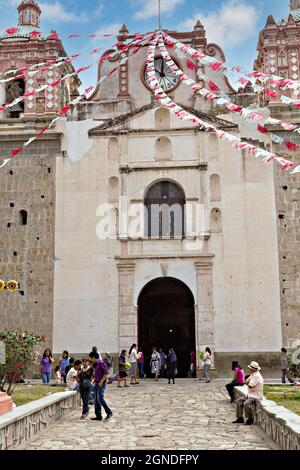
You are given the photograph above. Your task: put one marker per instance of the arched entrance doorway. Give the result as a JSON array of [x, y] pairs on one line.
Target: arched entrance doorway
[[166, 319]]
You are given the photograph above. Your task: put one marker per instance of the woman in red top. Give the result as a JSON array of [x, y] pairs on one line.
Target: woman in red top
[[141, 363], [192, 369]]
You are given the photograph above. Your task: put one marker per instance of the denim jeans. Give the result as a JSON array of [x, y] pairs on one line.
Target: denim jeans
[[141, 369], [46, 377], [85, 395], [207, 371], [100, 402]]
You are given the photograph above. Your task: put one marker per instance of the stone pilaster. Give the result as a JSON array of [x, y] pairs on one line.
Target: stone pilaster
[[204, 310], [127, 312]]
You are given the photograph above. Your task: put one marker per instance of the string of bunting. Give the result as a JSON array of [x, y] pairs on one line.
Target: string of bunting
[[211, 96], [44, 66], [161, 39], [177, 110], [223, 99], [137, 42], [54, 36], [219, 65]]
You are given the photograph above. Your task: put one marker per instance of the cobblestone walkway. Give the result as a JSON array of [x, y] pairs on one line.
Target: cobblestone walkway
[[156, 416]]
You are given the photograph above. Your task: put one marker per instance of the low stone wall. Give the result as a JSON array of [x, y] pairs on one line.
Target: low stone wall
[[25, 421], [280, 424]]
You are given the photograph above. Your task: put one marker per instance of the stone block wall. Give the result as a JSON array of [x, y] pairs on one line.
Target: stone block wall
[[288, 222], [27, 251]]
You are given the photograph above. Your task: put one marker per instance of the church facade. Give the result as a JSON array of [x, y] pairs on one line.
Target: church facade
[[146, 229]]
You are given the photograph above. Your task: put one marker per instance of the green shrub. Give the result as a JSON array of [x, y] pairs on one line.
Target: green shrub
[[21, 349]]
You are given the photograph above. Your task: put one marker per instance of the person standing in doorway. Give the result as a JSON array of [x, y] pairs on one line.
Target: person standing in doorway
[[238, 379], [155, 363], [285, 367], [46, 362], [162, 363], [207, 364], [192, 369], [133, 358], [101, 375], [171, 363], [141, 363]]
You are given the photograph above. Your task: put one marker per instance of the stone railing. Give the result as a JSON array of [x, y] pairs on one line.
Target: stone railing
[[25, 421], [280, 424]]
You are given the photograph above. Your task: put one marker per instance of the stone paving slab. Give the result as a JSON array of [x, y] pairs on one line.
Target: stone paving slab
[[156, 416]]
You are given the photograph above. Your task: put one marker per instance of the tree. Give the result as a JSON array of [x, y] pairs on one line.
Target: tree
[[21, 349], [294, 363]]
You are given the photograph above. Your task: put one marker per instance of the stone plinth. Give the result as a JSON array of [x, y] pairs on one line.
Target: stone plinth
[[28, 420], [279, 423], [6, 403]]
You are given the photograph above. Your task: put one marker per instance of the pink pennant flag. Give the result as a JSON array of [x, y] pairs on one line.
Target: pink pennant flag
[[190, 64], [16, 151], [35, 34], [65, 109], [42, 131], [216, 66], [234, 108], [261, 129], [213, 86], [288, 127], [11, 31], [53, 36], [291, 145], [270, 93]]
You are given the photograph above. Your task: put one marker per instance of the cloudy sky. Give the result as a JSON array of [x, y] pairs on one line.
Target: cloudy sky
[[233, 24]]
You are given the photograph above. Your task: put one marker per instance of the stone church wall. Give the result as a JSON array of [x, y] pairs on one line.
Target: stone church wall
[[27, 251]]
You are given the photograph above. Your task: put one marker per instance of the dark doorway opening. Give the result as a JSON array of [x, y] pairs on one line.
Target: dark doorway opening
[[166, 319]]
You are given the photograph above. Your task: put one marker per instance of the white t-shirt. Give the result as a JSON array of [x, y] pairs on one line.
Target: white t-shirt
[[71, 378], [257, 386], [133, 356], [207, 358]]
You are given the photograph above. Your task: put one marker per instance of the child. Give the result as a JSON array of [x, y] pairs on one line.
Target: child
[[72, 377], [122, 377], [57, 375], [64, 362]]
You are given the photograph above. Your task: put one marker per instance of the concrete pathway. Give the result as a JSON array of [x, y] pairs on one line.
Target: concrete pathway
[[156, 416]]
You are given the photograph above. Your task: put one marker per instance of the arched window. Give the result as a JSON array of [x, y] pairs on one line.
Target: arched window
[[15, 89], [113, 149], [162, 119], [163, 149], [215, 188], [113, 190], [23, 217], [165, 211]]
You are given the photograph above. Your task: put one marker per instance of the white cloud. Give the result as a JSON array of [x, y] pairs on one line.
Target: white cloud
[[231, 25], [57, 13], [147, 8]]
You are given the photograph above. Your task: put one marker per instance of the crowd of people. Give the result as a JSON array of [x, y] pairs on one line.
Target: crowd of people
[[91, 375]]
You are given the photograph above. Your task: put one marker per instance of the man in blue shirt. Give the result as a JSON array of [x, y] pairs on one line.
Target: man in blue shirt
[[101, 376]]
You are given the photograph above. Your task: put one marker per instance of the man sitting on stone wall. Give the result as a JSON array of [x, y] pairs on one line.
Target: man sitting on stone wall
[[255, 385]]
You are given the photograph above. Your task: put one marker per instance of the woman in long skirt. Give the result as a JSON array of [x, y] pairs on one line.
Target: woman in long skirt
[[171, 365], [155, 363]]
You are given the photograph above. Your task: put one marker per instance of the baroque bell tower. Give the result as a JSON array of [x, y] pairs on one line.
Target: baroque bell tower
[[29, 13]]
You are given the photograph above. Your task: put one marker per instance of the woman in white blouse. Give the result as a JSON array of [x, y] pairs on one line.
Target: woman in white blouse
[[133, 358], [207, 364]]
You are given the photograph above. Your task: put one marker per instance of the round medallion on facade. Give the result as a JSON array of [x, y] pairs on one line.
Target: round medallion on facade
[[167, 79]]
